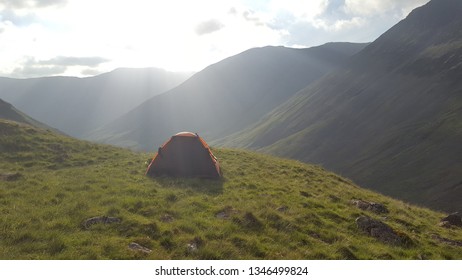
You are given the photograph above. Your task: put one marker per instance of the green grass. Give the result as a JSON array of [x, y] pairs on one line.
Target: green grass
[[264, 208]]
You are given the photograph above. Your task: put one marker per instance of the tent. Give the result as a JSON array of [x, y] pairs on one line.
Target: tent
[[185, 154]]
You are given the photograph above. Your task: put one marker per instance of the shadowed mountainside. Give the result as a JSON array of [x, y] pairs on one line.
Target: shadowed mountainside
[[390, 119], [9, 112]]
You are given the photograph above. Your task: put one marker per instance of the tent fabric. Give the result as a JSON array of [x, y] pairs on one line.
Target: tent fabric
[[185, 154]]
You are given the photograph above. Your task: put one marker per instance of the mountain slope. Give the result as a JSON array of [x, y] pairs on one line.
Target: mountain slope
[[9, 112], [78, 105], [227, 96], [264, 208], [391, 119]]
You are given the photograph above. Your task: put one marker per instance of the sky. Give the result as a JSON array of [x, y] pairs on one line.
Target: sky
[[88, 37]]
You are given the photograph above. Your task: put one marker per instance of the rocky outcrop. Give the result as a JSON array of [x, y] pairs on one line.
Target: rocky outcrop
[[370, 206], [382, 231], [453, 219], [447, 241]]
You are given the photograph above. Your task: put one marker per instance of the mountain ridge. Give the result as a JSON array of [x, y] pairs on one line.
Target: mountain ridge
[[390, 118], [226, 96], [77, 105], [9, 112]]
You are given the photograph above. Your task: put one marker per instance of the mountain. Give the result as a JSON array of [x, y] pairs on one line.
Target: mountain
[[78, 105], [227, 96], [9, 112], [390, 119], [63, 198]]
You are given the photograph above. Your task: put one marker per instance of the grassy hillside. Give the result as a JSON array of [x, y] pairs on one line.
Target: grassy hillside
[[391, 118], [264, 208]]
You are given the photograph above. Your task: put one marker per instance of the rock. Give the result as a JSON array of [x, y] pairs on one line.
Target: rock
[[445, 224], [137, 247], [103, 219], [346, 253], [305, 194], [283, 208], [447, 241], [191, 247], [361, 204], [10, 176], [222, 215], [378, 208], [453, 219], [370, 206], [226, 213], [195, 244], [382, 231], [167, 218]]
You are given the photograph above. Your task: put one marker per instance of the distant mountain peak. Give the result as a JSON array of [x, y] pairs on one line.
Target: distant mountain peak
[[436, 14], [436, 25]]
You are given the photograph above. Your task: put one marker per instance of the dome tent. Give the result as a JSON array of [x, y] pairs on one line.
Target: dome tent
[[185, 154]]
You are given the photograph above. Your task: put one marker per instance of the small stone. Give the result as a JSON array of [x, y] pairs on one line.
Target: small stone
[[137, 247], [167, 218], [445, 224], [226, 213], [222, 215], [195, 244], [192, 247], [283, 208], [370, 206]]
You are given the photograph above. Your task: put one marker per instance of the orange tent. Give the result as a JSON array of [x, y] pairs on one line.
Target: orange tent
[[185, 154]]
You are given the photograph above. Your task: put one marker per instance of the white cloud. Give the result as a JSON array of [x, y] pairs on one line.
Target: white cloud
[[305, 10], [368, 8], [29, 67], [74, 61], [371, 8], [348, 24], [167, 34], [208, 26], [31, 3]]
